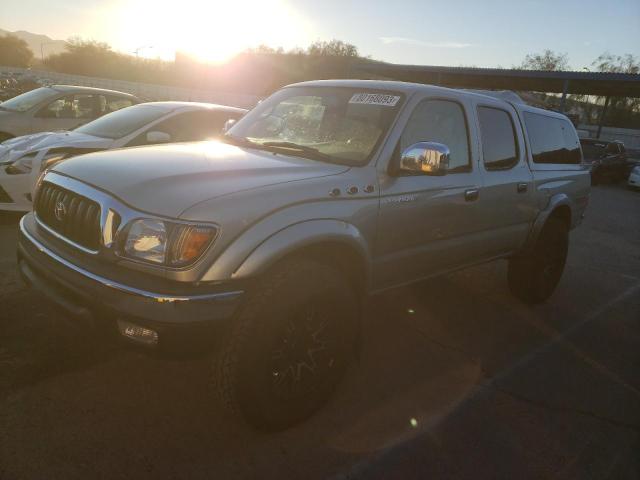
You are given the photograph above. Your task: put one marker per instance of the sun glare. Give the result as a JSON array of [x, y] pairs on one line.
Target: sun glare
[[211, 31]]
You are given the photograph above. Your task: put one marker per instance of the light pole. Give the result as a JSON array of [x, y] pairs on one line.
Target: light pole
[[42, 50], [137, 50]]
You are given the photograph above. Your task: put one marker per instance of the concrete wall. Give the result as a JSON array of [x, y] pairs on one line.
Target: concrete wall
[[631, 138], [145, 91]]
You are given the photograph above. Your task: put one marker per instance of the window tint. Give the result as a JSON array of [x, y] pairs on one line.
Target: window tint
[[440, 121], [499, 147], [27, 100], [553, 140], [613, 149], [123, 122], [71, 106], [592, 151], [194, 126], [108, 104]]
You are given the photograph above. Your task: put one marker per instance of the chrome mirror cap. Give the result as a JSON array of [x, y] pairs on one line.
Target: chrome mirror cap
[[427, 158]]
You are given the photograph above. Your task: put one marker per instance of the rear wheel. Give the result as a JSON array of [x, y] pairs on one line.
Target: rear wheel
[[534, 277], [290, 345]]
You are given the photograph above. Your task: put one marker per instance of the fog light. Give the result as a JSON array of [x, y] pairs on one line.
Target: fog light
[[138, 333]]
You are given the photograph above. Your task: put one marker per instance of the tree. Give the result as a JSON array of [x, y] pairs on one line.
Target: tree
[[14, 52], [332, 48], [616, 63], [623, 111], [548, 61]]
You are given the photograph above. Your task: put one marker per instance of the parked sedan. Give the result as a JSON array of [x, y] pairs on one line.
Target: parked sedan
[[634, 177], [58, 107], [22, 159], [607, 160]]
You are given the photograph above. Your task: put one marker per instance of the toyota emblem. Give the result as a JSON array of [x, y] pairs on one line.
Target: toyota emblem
[[60, 211]]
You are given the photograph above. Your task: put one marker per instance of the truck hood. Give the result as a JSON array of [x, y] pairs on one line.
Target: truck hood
[[168, 179], [48, 140]]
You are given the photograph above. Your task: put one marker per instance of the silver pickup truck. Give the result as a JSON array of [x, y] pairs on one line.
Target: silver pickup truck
[[269, 242]]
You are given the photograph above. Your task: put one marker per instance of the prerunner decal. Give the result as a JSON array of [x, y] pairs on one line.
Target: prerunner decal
[[375, 99]]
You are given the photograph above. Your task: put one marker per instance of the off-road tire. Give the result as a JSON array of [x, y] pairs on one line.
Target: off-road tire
[[244, 374], [534, 277]]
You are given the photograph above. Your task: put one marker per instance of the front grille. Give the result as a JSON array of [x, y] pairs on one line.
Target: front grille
[[69, 214]]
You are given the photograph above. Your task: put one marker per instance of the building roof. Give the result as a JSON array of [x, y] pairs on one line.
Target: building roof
[[590, 83]]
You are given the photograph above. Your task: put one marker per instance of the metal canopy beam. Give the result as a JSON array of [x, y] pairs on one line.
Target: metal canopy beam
[[587, 83]]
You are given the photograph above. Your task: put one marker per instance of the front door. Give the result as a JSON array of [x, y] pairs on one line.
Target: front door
[[429, 224]]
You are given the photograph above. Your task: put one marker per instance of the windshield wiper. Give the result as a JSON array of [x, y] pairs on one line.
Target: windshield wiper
[[240, 141], [311, 151]]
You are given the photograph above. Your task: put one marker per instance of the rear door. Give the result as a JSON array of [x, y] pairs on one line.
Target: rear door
[[507, 207]]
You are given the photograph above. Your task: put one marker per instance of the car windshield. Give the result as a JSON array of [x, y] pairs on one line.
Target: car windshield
[[24, 102], [123, 122], [341, 125]]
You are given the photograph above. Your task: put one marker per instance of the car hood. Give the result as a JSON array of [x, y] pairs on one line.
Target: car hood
[[168, 179], [48, 140]]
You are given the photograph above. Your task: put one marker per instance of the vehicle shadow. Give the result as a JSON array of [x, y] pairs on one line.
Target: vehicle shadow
[[37, 342]]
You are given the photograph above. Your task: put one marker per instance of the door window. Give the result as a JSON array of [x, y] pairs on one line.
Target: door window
[[498, 136], [80, 106], [441, 121], [193, 126]]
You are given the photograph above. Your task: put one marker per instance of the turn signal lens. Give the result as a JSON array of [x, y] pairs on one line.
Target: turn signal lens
[[189, 242]]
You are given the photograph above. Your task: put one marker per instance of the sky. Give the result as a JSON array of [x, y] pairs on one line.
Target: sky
[[482, 33]]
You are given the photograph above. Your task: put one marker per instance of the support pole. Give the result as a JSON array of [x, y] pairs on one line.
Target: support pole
[[565, 88], [602, 114]]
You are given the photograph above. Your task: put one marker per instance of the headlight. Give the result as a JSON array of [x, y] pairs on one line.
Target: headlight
[[166, 243], [49, 161], [147, 240], [22, 165]]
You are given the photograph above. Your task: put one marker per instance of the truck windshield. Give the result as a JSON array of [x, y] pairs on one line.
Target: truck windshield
[[341, 125], [24, 102], [123, 122]]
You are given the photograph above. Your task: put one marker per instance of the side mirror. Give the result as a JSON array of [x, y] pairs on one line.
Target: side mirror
[[158, 137], [427, 158], [228, 124]]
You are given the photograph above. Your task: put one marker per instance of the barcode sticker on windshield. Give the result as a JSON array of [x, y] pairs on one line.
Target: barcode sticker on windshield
[[375, 99]]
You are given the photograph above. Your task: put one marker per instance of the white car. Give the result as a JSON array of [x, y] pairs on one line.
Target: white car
[[23, 159], [634, 177], [58, 107]]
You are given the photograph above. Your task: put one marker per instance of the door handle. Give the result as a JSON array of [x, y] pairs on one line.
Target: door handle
[[471, 194], [522, 187]]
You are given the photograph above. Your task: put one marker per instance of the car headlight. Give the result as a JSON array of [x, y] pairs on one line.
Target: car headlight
[[50, 160], [166, 243], [22, 165]]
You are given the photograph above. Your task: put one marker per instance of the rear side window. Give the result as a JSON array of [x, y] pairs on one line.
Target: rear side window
[[553, 140], [499, 145], [195, 125]]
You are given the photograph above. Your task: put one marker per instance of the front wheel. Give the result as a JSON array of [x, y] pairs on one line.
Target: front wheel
[[290, 345], [534, 277]]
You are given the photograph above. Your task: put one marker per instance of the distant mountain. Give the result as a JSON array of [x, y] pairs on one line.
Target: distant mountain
[[35, 40]]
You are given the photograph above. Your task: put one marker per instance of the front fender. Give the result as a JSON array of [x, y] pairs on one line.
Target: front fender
[[238, 264]]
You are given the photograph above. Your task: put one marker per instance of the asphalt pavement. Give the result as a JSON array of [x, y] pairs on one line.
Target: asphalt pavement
[[456, 379]]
